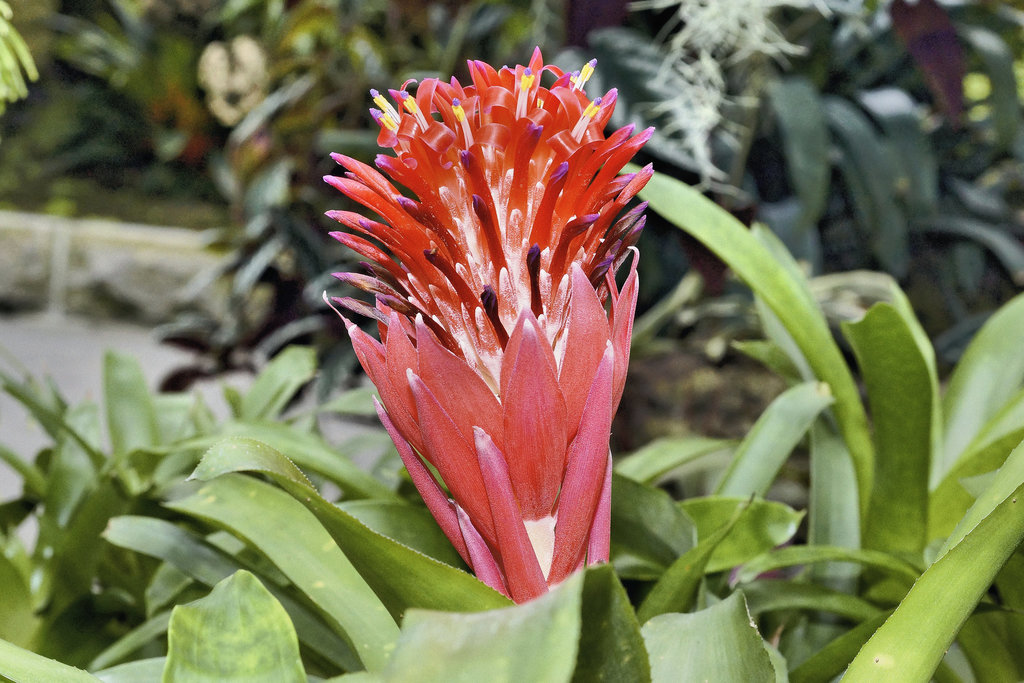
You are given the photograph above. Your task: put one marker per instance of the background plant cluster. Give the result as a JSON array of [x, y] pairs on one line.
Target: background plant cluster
[[868, 138], [867, 522], [221, 558]]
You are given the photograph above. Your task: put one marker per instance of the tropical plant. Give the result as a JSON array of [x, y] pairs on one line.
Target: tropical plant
[[71, 595], [884, 138], [16, 62], [909, 567], [280, 559]]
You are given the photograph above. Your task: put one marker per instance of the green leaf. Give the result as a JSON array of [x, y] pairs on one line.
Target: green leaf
[[868, 169], [33, 478], [661, 456], [993, 642], [676, 590], [357, 402], [667, 308], [69, 556], [776, 433], [1000, 242], [166, 541], [797, 108], [140, 636], [140, 671], [898, 366], [1003, 482], [998, 61], [410, 525], [310, 452], [70, 473], [275, 386], [901, 119], [300, 547], [832, 660], [648, 530], [810, 554], [238, 632], [208, 565], [950, 500], [989, 373], [48, 409], [131, 417], [400, 576], [719, 643], [942, 599], [535, 641], [1010, 582], [772, 277], [17, 616], [611, 647], [176, 415], [832, 508], [23, 666], [765, 525], [774, 595], [771, 355]]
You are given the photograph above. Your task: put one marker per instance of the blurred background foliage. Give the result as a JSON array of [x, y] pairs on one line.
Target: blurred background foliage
[[867, 136]]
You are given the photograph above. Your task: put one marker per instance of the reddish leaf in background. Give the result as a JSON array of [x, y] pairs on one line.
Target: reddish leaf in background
[[930, 37], [584, 16]]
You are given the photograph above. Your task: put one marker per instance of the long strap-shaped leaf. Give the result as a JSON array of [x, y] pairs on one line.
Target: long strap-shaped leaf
[[282, 529], [772, 274], [21, 665], [943, 598], [399, 575]]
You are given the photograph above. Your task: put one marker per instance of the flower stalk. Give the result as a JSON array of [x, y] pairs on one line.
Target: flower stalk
[[504, 337]]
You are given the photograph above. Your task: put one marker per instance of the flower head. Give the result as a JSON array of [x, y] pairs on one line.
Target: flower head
[[504, 337]]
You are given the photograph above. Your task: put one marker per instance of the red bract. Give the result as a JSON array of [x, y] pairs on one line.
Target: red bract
[[504, 338]]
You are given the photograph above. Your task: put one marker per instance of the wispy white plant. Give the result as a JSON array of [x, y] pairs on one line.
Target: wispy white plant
[[15, 61], [704, 39]]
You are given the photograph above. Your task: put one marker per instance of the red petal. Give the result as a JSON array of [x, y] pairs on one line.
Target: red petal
[[586, 335], [401, 354], [392, 384], [457, 387], [536, 60], [481, 560], [369, 175], [431, 492], [395, 395], [623, 310], [523, 574], [535, 421], [599, 546], [584, 476], [453, 456]]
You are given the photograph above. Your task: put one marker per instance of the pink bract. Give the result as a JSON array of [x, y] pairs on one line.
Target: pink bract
[[504, 337]]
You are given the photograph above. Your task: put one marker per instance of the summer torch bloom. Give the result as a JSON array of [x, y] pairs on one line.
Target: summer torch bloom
[[504, 338]]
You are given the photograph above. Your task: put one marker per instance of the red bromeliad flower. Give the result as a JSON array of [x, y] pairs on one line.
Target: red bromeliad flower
[[504, 338]]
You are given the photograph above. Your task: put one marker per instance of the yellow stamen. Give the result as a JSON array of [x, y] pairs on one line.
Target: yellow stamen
[[460, 116], [385, 106], [588, 114], [522, 101], [386, 120], [409, 103], [460, 113], [585, 73]]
